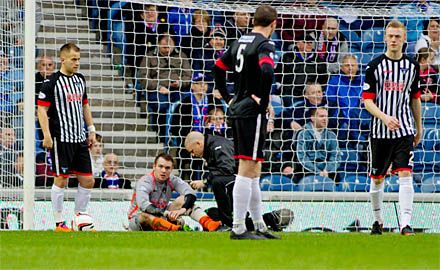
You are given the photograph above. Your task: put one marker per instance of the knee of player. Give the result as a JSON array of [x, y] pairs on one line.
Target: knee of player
[[405, 174], [377, 181], [145, 218]]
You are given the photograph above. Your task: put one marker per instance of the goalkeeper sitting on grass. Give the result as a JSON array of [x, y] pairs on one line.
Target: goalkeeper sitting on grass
[[150, 208]]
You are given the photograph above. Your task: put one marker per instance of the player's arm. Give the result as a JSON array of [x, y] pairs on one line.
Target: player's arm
[[222, 65], [89, 121], [416, 106], [266, 63], [44, 123], [143, 190], [190, 198], [45, 99], [369, 95]]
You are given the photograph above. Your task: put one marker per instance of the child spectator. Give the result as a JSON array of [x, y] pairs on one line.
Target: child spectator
[[96, 151], [215, 123]]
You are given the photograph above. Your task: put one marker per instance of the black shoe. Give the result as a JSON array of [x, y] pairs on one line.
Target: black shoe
[[246, 236], [407, 230], [376, 229], [223, 228], [267, 234]]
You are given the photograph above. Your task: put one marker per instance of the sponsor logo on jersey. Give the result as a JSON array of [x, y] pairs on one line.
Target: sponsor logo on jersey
[[246, 39], [387, 71], [394, 86], [74, 97]]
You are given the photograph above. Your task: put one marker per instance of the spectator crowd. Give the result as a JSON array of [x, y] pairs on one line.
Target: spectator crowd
[[168, 56]]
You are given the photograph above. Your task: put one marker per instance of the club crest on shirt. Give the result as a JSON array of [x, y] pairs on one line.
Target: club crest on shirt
[[404, 70], [77, 84]]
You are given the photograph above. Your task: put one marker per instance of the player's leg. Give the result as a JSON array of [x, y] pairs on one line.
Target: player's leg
[[61, 157], [82, 167], [403, 164], [222, 188], [146, 220], [197, 214], [380, 156]]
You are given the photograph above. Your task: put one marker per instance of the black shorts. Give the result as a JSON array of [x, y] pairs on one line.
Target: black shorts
[[384, 152], [249, 137], [70, 158]]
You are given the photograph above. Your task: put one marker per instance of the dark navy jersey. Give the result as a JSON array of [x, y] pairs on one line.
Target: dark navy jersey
[[392, 84], [65, 97], [245, 58]]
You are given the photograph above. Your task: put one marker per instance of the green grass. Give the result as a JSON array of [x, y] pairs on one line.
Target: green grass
[[202, 250]]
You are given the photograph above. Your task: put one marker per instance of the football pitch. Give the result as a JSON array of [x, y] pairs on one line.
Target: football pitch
[[203, 250]]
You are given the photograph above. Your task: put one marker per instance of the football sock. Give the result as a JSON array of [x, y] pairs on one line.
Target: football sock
[[160, 224], [209, 224], [241, 197], [82, 199], [406, 196], [255, 206], [57, 197], [376, 195], [197, 213]]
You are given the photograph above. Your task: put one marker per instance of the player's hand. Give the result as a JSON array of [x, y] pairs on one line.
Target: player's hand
[[47, 142], [91, 139], [175, 214], [392, 122], [164, 91], [417, 138], [257, 99], [295, 126], [198, 184]]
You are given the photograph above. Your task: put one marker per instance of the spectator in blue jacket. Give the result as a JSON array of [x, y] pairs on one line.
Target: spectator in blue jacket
[[11, 87], [317, 148], [343, 94], [179, 19]]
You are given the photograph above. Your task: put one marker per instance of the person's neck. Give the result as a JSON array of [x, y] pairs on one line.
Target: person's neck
[[198, 96], [265, 31], [65, 72], [394, 55], [318, 130]]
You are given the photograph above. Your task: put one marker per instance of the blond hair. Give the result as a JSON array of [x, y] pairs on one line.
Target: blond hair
[[396, 24]]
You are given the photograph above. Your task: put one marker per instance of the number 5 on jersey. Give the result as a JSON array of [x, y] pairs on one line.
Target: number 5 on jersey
[[240, 58]]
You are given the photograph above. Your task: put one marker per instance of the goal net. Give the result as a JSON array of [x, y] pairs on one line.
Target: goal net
[[147, 66]]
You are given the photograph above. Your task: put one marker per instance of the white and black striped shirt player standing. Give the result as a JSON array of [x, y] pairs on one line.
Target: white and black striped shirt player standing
[[392, 95], [62, 110]]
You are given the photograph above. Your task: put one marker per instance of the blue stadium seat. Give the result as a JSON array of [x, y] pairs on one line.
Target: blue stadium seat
[[316, 183], [391, 184], [426, 161], [355, 182], [430, 183], [352, 37], [277, 182], [351, 161], [431, 114], [372, 40], [430, 139]]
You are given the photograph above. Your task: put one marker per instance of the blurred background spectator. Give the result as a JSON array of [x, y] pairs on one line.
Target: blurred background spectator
[[429, 79], [164, 75], [110, 177], [237, 25], [46, 68], [198, 35], [431, 39], [331, 44], [97, 157]]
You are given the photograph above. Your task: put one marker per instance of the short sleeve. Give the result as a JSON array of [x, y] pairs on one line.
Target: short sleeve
[[225, 61], [84, 96], [415, 86], [46, 95], [369, 87], [266, 54]]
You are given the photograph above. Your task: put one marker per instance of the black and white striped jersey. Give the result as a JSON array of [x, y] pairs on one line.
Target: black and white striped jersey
[[65, 97], [392, 84]]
